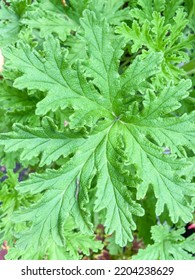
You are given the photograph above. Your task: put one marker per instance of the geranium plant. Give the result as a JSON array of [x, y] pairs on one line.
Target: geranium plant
[[97, 106]]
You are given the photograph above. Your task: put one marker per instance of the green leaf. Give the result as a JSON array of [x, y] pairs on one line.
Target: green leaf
[[168, 245], [36, 141], [112, 193], [76, 241], [190, 66], [154, 34], [75, 9], [10, 200], [48, 21], [139, 71], [10, 21], [103, 55], [9, 30], [166, 101], [66, 87], [76, 245], [14, 100], [162, 173], [82, 169], [112, 10], [149, 219], [147, 7], [171, 8], [48, 215]]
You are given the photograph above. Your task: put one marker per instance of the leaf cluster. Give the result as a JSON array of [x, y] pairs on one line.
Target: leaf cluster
[[97, 99]]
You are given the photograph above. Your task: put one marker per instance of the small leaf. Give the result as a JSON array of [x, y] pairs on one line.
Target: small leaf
[[168, 245]]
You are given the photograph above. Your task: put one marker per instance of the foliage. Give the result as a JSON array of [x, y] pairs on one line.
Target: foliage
[[100, 109], [168, 245]]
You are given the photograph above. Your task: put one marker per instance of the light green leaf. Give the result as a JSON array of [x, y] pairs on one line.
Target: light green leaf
[[9, 24], [139, 71], [70, 185], [76, 241], [50, 22], [165, 101], [161, 173], [112, 193], [171, 8], [112, 10], [103, 55], [152, 32], [47, 141], [14, 100], [48, 215], [168, 245], [66, 87], [76, 245], [147, 7]]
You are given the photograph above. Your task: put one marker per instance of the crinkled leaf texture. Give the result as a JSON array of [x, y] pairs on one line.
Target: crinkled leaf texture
[[76, 245], [9, 23], [49, 18], [110, 141], [168, 245], [158, 27]]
